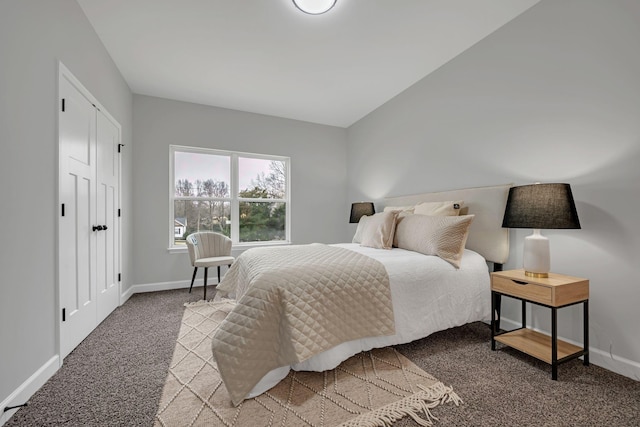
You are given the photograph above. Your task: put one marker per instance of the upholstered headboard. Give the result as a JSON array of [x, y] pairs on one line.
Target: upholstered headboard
[[486, 235]]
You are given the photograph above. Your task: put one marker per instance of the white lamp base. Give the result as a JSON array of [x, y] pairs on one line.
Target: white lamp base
[[536, 257]]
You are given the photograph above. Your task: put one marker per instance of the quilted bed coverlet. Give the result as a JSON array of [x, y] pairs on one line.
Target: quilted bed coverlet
[[294, 302]]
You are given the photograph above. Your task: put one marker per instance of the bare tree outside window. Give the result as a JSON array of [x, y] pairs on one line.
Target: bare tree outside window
[[205, 203], [275, 182], [264, 220]]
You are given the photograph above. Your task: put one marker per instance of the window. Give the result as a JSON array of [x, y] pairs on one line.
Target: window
[[243, 196]]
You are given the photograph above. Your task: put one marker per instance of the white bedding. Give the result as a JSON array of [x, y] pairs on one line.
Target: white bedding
[[428, 295]]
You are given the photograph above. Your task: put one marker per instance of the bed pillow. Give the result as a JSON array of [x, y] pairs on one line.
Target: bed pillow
[[447, 208], [402, 209], [378, 230], [357, 238], [402, 212], [443, 236]]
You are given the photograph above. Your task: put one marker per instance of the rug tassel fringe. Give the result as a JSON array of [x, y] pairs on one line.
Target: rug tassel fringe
[[414, 406]]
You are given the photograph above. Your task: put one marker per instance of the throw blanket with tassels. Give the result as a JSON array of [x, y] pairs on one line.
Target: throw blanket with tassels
[[294, 302]]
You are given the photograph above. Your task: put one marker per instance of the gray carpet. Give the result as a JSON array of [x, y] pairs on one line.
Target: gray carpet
[[115, 377]]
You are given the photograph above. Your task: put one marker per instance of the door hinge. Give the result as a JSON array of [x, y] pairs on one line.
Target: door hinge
[[63, 105], [119, 213], [64, 314], [119, 277], [63, 209], [120, 146]]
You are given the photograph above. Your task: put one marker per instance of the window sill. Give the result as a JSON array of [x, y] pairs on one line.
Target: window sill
[[240, 247]]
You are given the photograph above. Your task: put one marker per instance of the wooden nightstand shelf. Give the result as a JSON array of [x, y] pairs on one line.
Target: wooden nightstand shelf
[[556, 291]]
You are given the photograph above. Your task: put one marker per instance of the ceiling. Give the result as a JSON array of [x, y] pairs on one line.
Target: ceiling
[[267, 57]]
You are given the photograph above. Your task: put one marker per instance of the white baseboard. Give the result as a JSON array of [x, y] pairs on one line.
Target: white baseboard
[[602, 358], [126, 295], [164, 286], [24, 392]]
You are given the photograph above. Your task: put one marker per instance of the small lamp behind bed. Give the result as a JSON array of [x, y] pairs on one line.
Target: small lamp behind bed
[[537, 206], [360, 209]]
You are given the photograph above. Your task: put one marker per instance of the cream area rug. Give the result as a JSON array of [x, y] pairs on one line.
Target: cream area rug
[[372, 388]]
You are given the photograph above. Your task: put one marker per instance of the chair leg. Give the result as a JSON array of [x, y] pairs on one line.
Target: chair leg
[[205, 282], [195, 270], [218, 274]]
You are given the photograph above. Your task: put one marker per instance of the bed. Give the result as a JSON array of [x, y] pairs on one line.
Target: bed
[[418, 295]]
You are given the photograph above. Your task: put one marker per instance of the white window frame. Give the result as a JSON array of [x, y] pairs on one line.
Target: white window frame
[[234, 198]]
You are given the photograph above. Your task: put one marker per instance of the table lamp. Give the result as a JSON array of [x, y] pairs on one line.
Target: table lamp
[[539, 206], [360, 209]]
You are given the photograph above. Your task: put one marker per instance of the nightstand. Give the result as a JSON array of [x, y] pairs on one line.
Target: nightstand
[[556, 291]]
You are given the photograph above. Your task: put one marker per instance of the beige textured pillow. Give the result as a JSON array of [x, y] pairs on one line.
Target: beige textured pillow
[[447, 208], [379, 229], [402, 212], [444, 236]]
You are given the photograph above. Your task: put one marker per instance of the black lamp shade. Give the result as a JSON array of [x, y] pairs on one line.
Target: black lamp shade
[[541, 206], [360, 209]]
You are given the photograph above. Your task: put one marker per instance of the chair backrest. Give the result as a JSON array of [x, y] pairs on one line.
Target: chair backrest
[[207, 244]]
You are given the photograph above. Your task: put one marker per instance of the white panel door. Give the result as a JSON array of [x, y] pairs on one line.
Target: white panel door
[[89, 227], [76, 240], [108, 177]]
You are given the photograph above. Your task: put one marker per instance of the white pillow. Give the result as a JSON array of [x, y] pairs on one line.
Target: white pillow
[[378, 230], [403, 209], [447, 208], [443, 236], [357, 238]]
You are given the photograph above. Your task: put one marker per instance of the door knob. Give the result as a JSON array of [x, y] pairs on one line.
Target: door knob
[[97, 228]]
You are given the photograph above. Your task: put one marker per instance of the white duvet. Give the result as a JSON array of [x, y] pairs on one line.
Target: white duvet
[[428, 295]]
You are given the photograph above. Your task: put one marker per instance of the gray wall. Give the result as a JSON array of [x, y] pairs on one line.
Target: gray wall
[[34, 35], [553, 96], [318, 174]]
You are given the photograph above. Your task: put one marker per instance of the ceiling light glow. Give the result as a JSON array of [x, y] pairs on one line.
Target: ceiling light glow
[[314, 7]]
